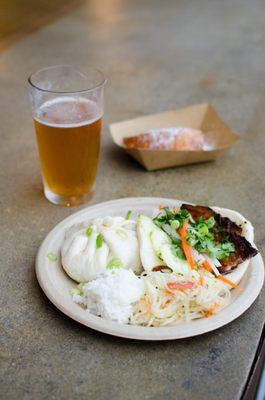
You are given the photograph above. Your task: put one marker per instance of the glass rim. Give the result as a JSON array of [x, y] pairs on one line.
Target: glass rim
[[96, 86]]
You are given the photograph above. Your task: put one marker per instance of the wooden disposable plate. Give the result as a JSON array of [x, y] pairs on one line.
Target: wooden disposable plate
[[56, 284]]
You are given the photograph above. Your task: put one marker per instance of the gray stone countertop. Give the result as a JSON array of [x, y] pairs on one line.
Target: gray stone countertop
[[157, 56]]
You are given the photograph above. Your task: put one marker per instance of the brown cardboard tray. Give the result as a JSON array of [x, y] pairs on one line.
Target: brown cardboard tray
[[199, 116]]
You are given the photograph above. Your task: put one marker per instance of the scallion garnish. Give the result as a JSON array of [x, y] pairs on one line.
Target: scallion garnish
[[128, 214], [89, 231], [52, 257], [114, 262], [200, 234], [99, 241]]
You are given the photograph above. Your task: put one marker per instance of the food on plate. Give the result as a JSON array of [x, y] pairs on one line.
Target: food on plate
[[225, 230], [179, 265], [156, 247], [84, 254], [170, 298], [111, 294], [90, 249], [149, 234], [120, 235], [175, 138]]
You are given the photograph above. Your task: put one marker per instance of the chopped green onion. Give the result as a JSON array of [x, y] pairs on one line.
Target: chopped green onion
[[175, 224], [201, 234], [79, 289], [89, 231], [115, 262], [52, 257], [202, 238], [167, 217], [75, 291], [99, 241], [203, 230], [210, 222], [128, 214], [81, 285]]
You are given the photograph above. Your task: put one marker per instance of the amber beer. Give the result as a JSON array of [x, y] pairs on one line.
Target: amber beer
[[68, 135], [67, 105]]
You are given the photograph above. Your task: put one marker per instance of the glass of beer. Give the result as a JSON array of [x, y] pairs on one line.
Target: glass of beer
[[67, 108]]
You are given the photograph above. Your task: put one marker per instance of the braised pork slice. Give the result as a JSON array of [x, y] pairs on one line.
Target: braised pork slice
[[225, 228]]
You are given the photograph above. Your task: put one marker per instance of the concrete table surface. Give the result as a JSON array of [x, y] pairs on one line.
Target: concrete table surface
[[157, 55]]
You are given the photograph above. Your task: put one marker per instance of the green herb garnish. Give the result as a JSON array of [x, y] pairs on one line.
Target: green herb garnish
[[174, 217], [52, 257], [78, 290], [175, 224], [99, 241], [81, 285], [128, 214], [89, 231], [201, 237], [114, 262], [75, 291]]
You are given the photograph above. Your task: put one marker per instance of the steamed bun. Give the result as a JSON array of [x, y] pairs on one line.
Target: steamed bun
[[82, 260]]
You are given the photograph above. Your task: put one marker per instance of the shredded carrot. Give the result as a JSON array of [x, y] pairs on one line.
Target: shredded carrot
[[200, 281], [211, 311], [180, 285], [185, 246], [188, 254], [228, 281], [207, 266], [183, 230], [160, 206], [147, 305], [165, 303], [223, 278], [207, 313]]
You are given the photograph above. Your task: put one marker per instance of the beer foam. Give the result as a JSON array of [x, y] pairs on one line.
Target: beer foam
[[68, 112]]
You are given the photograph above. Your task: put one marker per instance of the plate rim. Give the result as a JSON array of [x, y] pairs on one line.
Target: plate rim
[[138, 332]]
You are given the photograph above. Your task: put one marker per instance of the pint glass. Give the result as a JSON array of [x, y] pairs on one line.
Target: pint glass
[[67, 108]]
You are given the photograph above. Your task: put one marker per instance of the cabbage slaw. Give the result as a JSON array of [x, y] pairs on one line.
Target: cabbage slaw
[[171, 298]]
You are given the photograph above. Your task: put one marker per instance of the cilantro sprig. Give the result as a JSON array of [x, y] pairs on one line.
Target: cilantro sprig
[[174, 218], [201, 236]]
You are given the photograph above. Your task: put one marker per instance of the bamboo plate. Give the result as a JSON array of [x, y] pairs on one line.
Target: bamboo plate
[[56, 284]]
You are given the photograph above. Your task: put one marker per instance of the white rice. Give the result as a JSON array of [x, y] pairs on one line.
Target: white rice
[[111, 294]]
